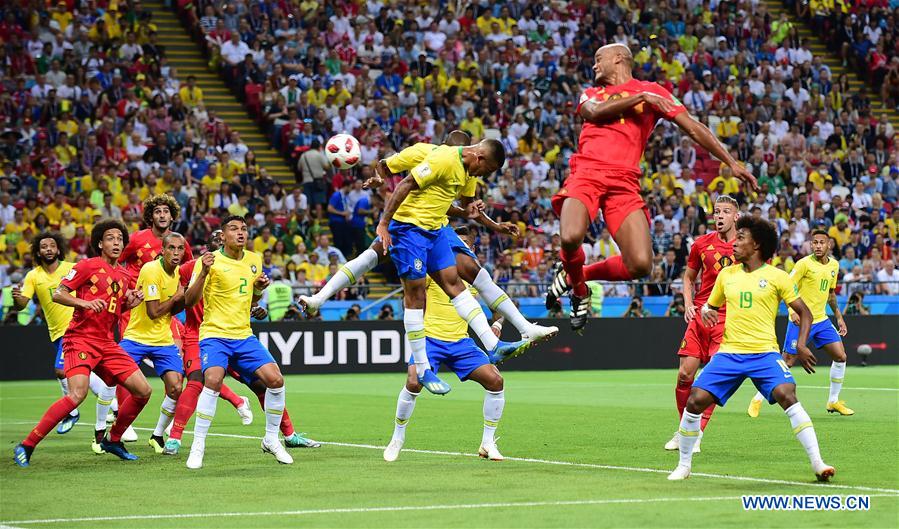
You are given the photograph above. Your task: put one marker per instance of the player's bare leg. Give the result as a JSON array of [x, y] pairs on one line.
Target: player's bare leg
[[275, 396], [686, 373], [347, 275], [140, 392], [78, 387], [494, 401], [172, 381], [837, 353], [498, 301], [405, 405], [785, 395]]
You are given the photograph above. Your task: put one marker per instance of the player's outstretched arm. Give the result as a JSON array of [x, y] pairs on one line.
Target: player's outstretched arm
[[806, 357], [704, 137], [842, 330], [601, 112], [406, 186]]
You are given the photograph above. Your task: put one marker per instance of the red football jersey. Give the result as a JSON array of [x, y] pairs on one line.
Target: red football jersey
[[143, 247], [193, 316], [620, 143], [92, 279], [709, 255]]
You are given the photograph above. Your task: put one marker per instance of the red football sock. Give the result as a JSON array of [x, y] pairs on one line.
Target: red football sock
[[611, 269], [55, 413], [122, 395], [286, 426], [127, 413], [230, 396], [187, 404], [706, 416], [681, 394], [573, 262]]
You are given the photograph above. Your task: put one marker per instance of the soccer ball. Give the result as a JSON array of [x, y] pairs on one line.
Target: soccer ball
[[343, 151]]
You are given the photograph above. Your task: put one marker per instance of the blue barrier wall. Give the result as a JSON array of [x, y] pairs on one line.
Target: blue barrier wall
[[611, 307]]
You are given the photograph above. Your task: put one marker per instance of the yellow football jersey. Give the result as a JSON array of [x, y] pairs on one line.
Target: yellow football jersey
[[441, 319], [228, 295], [815, 280], [441, 179], [409, 157], [752, 302], [39, 282], [157, 285]]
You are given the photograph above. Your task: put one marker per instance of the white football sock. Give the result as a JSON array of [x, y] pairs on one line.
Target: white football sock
[[470, 311], [499, 301], [758, 396], [104, 401], [274, 410], [414, 322], [96, 384], [689, 434], [837, 372], [349, 274], [64, 384], [166, 414], [494, 402], [205, 413], [804, 431], [405, 405]]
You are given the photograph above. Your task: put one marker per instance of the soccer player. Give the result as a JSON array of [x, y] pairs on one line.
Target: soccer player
[[410, 229], [146, 245], [149, 332], [47, 249], [816, 277], [619, 115], [229, 281], [190, 348], [89, 344], [753, 291], [448, 344], [709, 254], [466, 261]]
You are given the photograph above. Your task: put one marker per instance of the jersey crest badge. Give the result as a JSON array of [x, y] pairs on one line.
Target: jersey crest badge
[[253, 268], [82, 355], [418, 265], [763, 283]]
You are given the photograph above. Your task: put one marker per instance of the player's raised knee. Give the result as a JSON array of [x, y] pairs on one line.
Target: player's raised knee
[[494, 382], [639, 264], [78, 393], [275, 381], [142, 391], [684, 378]]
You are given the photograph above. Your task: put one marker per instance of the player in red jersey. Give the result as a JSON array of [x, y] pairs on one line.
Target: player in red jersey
[[619, 115], [190, 352], [89, 345], [709, 254], [146, 245]]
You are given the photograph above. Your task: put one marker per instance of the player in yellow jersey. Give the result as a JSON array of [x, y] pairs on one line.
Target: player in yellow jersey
[[149, 331], [816, 276], [753, 291], [411, 230], [466, 260], [47, 250], [229, 282], [448, 344]]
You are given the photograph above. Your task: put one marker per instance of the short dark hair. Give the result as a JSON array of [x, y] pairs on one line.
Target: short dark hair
[[463, 231], [170, 235], [457, 138], [36, 244], [229, 218], [819, 231], [763, 233], [100, 229], [495, 151]]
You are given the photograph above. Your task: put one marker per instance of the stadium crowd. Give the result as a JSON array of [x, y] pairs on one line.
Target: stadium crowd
[[95, 120]]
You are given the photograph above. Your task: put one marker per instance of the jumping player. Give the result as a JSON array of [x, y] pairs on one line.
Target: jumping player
[[619, 116], [466, 261], [89, 344], [149, 332], [411, 230], [229, 281], [42, 281], [816, 277], [709, 254], [752, 291], [448, 344]]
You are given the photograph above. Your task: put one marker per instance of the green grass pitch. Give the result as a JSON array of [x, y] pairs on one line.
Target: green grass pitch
[[584, 449]]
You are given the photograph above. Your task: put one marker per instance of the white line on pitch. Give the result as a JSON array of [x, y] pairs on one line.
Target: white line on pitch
[[397, 508], [572, 464]]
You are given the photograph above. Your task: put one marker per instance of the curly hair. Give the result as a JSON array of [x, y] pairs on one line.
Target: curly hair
[[763, 233], [36, 244], [101, 228], [160, 200]]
